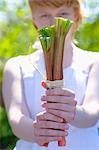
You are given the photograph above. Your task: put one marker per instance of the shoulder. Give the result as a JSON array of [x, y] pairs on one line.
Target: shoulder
[[12, 68], [22, 64], [14, 63], [85, 58], [95, 68]]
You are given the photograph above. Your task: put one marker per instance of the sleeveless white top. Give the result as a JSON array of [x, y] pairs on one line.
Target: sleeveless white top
[[75, 78]]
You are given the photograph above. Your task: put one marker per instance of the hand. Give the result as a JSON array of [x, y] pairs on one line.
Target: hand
[[60, 102], [48, 127]]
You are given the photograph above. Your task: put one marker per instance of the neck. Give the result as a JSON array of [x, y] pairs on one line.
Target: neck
[[68, 49], [68, 53]]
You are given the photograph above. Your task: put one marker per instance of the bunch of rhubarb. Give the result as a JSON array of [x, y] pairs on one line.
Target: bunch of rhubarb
[[52, 39]]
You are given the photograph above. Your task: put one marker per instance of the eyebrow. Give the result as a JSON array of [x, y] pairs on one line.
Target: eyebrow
[[63, 9]]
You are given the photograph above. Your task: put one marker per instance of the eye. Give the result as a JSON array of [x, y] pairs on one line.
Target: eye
[[44, 16], [63, 14]]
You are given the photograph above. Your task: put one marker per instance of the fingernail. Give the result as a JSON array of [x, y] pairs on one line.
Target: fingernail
[[43, 104], [43, 83], [43, 98]]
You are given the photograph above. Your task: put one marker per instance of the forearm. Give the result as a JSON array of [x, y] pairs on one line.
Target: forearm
[[84, 117], [23, 128]]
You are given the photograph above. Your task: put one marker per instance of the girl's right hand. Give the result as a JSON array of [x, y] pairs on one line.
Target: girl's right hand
[[48, 127]]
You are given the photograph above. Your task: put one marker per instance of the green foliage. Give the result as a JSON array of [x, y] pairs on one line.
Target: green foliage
[[17, 36], [5, 125], [6, 135], [88, 35]]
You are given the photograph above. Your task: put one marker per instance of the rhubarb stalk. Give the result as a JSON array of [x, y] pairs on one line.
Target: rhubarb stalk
[[47, 41], [52, 39]]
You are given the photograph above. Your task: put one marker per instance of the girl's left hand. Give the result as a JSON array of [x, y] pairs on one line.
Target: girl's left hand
[[60, 102]]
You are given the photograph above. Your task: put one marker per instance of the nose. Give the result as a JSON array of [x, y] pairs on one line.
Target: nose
[[52, 20]]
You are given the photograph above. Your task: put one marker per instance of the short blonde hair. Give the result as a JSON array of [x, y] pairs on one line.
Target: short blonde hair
[[35, 4]]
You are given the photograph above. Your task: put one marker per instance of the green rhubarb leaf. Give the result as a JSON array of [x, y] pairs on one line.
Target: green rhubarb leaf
[[46, 36], [62, 25], [43, 42]]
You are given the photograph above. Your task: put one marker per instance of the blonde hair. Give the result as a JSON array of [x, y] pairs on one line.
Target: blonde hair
[[34, 4]]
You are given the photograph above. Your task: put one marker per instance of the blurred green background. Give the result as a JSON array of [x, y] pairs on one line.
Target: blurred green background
[[17, 36]]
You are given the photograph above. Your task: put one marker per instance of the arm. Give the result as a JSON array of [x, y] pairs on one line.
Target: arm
[[39, 130], [88, 113], [14, 99], [63, 102]]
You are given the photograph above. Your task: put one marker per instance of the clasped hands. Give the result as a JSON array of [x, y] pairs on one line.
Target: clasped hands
[[52, 124]]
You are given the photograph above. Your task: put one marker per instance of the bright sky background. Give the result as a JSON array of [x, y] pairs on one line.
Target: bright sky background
[[95, 5], [86, 5]]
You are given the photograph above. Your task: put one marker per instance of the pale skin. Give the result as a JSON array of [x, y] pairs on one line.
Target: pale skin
[[40, 130]]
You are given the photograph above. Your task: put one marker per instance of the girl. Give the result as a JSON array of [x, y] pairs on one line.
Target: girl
[[32, 120]]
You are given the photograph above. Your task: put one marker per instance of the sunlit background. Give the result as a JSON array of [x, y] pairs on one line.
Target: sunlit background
[[17, 36], [91, 6]]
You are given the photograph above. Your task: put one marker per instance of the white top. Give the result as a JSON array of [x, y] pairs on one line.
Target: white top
[[75, 78]]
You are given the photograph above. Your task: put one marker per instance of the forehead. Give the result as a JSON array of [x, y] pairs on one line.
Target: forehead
[[53, 10], [52, 3]]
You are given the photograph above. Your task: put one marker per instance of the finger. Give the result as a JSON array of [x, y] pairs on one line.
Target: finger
[[59, 106], [47, 116], [53, 125], [60, 91], [49, 139], [59, 99], [51, 132], [40, 116], [67, 116], [41, 140]]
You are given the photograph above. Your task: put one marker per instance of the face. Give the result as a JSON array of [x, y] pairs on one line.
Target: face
[[45, 16]]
